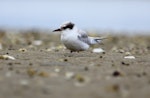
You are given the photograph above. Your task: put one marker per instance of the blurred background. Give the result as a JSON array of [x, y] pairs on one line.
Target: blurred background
[[110, 15]]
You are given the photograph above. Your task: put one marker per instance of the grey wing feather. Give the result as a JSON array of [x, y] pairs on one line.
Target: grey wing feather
[[83, 37]]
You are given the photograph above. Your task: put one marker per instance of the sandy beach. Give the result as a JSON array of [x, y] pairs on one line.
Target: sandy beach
[[37, 65]]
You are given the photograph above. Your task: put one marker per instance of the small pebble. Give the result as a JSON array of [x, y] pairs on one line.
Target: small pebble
[[65, 60], [69, 75], [60, 47], [116, 73], [22, 50], [30, 64], [101, 57], [80, 78], [121, 51], [43, 74], [51, 48], [10, 64], [123, 63], [31, 72], [114, 49], [37, 42], [114, 88], [127, 53]]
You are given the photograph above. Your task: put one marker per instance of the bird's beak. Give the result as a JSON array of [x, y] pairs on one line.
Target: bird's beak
[[57, 30]]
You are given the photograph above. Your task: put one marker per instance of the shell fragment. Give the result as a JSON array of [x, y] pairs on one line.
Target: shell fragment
[[98, 50], [129, 57], [7, 57]]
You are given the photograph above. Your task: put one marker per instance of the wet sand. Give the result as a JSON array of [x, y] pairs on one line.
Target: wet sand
[[43, 68]]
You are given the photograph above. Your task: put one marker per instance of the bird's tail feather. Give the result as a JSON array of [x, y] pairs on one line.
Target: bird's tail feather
[[96, 40]]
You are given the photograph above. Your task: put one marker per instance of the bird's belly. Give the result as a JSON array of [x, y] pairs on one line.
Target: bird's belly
[[75, 44]]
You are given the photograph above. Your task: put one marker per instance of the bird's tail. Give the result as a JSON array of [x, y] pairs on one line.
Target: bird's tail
[[96, 40]]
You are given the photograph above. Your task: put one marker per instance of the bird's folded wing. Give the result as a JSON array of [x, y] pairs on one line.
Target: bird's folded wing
[[83, 37]]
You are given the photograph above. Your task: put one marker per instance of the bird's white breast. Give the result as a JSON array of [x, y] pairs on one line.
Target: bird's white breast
[[71, 41]]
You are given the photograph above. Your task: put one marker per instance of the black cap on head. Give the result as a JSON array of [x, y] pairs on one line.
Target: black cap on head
[[67, 25]]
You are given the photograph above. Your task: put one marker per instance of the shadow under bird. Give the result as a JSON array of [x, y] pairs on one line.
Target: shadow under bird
[[75, 39]]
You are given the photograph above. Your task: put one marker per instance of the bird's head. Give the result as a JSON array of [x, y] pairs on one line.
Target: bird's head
[[65, 26]]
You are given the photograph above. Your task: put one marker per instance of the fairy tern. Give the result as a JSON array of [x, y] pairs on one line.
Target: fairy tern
[[75, 39]]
